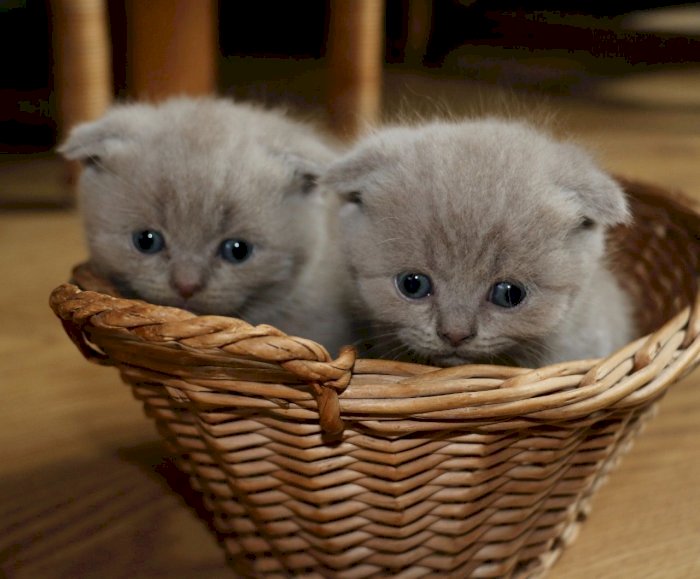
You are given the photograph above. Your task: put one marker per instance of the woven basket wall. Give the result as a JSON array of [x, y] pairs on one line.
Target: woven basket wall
[[356, 468]]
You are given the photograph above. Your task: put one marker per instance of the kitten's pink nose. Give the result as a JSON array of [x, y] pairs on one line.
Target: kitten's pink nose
[[187, 289], [455, 338]]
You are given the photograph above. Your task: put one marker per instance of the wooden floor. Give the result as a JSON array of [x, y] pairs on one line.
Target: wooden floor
[[86, 489]]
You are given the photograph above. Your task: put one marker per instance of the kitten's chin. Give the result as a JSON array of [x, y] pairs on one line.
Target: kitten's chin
[[450, 360], [473, 357], [438, 357]]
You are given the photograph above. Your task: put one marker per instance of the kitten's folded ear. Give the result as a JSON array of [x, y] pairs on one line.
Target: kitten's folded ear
[[93, 142], [602, 198], [351, 176], [305, 171], [305, 180]]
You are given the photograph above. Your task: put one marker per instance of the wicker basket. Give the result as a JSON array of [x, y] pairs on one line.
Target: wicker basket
[[356, 468]]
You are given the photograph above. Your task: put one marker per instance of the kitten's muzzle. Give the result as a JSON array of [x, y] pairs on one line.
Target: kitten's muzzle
[[186, 280], [187, 289], [455, 337]]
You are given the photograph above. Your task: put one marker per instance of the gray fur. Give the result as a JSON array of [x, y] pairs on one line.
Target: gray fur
[[201, 171], [470, 204]]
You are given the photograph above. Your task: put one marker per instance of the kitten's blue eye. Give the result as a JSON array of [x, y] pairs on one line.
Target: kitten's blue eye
[[507, 294], [148, 241], [414, 285], [235, 250]]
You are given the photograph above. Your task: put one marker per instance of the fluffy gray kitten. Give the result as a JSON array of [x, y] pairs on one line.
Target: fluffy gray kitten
[[481, 241], [212, 206]]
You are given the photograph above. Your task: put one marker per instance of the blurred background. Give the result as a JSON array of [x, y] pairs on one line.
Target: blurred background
[[344, 61], [86, 487]]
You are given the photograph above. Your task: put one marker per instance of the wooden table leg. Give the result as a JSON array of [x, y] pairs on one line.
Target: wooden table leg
[[355, 58], [172, 47], [82, 64], [420, 16]]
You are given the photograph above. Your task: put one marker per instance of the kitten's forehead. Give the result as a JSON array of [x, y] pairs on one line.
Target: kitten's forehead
[[483, 156], [217, 180], [211, 145], [479, 195], [474, 177]]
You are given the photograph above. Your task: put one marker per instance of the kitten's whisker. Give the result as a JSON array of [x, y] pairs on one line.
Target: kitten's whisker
[[395, 352]]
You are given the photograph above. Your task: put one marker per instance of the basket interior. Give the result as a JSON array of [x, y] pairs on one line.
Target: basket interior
[[657, 258]]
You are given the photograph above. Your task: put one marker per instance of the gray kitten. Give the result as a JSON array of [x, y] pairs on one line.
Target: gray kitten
[[212, 206], [481, 241]]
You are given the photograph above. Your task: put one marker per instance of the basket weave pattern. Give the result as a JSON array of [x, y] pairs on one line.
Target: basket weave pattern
[[355, 468]]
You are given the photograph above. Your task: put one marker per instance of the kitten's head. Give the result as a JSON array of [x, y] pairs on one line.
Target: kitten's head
[[202, 204], [468, 240]]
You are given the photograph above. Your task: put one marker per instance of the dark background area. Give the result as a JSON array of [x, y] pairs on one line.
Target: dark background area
[[484, 40]]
